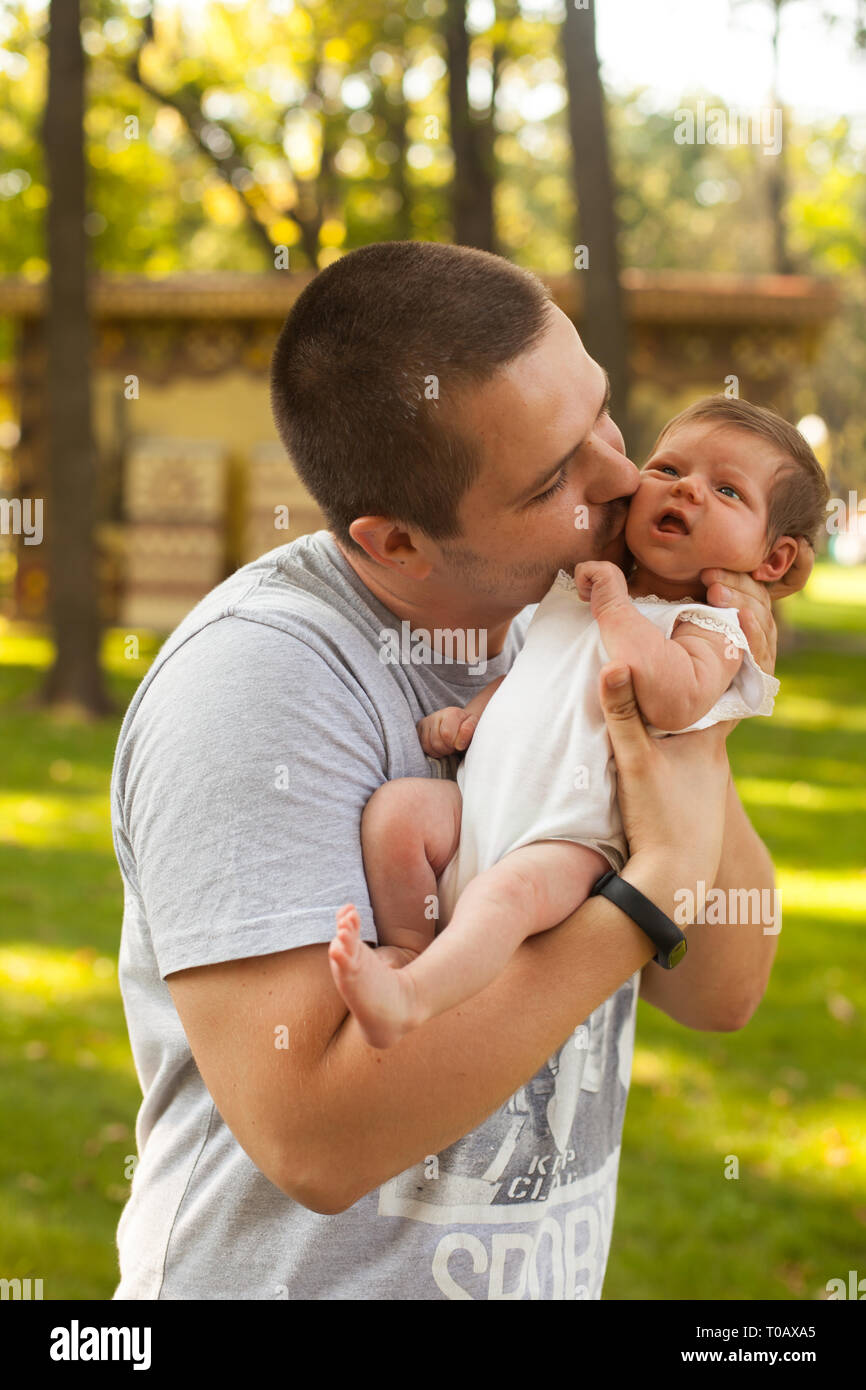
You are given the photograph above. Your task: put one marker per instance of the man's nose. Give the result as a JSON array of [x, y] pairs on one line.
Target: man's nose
[[614, 476]]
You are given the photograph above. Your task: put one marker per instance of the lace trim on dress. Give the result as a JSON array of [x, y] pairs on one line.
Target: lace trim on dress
[[731, 705], [654, 598], [713, 624], [565, 581]]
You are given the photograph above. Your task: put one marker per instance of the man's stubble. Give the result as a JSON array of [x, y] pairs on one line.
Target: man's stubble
[[475, 572]]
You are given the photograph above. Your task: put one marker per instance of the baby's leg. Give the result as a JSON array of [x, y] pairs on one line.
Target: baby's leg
[[410, 829], [532, 889]]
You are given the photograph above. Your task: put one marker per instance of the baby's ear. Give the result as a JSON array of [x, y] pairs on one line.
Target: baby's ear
[[780, 559]]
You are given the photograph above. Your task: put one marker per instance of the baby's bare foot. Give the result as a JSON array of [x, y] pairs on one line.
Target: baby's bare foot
[[380, 996]]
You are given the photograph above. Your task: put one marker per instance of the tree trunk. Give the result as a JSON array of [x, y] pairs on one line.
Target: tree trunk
[[603, 327], [394, 114], [75, 678], [777, 173], [471, 141]]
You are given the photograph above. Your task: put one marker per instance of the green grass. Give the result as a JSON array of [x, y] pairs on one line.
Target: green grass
[[784, 1095], [68, 1090]]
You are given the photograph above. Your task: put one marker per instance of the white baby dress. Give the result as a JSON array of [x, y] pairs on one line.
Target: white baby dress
[[540, 765]]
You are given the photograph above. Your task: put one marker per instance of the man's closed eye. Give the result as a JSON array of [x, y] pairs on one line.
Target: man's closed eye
[[556, 487]]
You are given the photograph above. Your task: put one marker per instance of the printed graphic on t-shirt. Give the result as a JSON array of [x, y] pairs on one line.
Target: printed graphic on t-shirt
[[541, 1172]]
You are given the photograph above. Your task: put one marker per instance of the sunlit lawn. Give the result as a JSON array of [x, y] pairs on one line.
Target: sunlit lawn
[[785, 1095], [68, 1091]]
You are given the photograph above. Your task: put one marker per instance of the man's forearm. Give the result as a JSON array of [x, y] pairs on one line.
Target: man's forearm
[[724, 975], [743, 953], [372, 1119]]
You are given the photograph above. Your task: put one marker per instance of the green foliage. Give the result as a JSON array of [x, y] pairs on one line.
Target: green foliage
[[68, 1090], [785, 1094], [705, 207], [23, 195], [285, 98]]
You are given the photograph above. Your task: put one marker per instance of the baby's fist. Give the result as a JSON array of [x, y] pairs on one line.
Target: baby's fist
[[599, 583], [447, 730]]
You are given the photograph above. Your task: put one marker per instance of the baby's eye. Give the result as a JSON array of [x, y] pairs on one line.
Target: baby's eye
[[668, 468], [726, 487]]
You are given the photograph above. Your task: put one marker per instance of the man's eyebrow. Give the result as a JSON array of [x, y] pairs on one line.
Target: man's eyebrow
[[551, 472]]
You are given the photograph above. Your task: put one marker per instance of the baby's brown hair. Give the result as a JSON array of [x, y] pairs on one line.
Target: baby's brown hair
[[797, 502]]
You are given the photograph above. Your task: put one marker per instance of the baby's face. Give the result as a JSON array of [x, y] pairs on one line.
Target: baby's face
[[702, 501]]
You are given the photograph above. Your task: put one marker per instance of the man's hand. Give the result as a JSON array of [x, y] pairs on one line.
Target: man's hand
[[672, 791], [447, 730], [798, 574], [725, 589]]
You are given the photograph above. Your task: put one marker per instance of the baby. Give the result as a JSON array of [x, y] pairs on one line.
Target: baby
[[515, 845]]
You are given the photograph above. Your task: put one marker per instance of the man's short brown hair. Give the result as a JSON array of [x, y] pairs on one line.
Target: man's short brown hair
[[797, 501], [369, 364]]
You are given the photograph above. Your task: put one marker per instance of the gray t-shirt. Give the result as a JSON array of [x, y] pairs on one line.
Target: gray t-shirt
[[242, 768]]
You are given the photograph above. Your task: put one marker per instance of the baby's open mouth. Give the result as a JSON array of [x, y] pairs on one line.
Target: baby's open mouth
[[672, 522]]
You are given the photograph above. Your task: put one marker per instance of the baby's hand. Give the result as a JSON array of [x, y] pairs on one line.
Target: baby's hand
[[601, 584], [447, 730]]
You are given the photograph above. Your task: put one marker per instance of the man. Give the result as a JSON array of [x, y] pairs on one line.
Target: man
[[447, 419]]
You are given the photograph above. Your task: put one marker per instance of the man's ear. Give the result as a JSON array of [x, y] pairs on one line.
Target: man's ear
[[778, 562], [390, 545]]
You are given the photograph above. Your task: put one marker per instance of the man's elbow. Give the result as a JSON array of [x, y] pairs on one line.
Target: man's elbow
[[315, 1177], [734, 1016], [716, 1016], [315, 1195], [324, 1204]]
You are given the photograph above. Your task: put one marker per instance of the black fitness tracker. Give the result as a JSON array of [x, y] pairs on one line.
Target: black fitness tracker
[[660, 929]]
